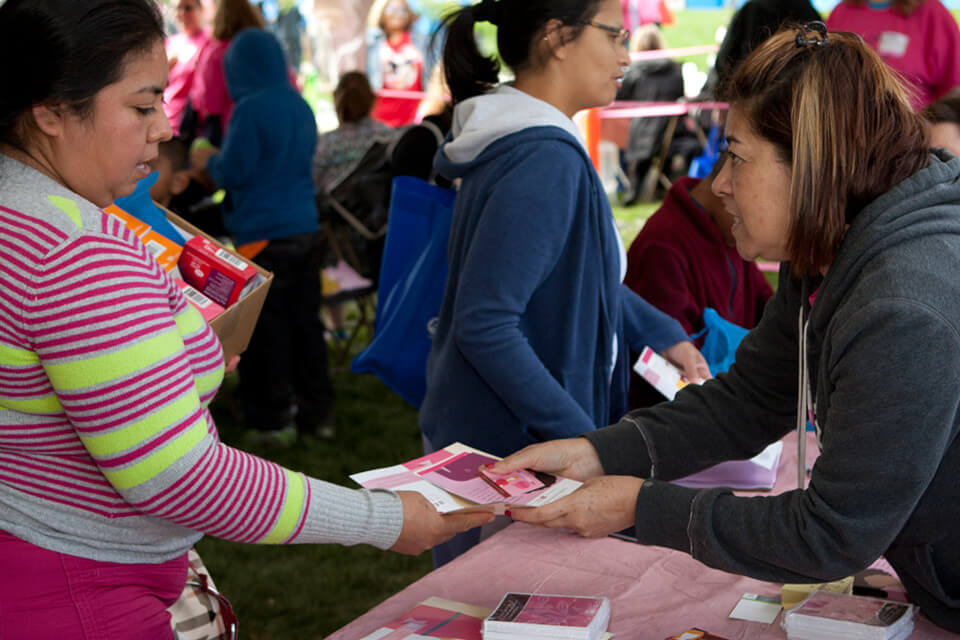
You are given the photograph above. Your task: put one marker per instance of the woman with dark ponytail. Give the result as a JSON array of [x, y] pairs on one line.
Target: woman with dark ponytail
[[536, 327]]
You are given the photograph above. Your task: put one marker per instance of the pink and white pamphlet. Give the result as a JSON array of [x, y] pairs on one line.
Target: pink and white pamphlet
[[435, 618], [454, 479]]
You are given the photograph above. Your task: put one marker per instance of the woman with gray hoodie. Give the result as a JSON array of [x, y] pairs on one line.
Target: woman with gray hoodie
[[829, 171]]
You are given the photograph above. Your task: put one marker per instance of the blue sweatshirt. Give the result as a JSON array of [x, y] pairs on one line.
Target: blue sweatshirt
[[534, 302], [266, 161]]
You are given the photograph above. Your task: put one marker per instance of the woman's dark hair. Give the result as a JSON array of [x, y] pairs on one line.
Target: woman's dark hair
[[946, 109], [839, 118], [65, 51], [520, 24], [353, 98]]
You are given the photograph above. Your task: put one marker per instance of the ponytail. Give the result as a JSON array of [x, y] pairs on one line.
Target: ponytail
[[468, 72], [519, 24]]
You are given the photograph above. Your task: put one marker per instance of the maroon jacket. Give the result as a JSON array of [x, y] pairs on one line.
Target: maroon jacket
[[680, 264]]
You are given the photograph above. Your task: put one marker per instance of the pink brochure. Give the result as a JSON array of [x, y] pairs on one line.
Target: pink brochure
[[459, 474], [435, 618], [450, 480]]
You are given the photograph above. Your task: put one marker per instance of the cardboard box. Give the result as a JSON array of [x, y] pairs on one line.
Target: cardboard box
[[235, 325], [165, 251], [215, 272]]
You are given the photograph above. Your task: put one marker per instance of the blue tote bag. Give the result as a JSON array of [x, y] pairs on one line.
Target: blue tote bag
[[720, 340], [413, 276]]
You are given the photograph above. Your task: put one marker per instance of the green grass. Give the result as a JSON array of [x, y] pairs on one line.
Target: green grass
[[695, 28]]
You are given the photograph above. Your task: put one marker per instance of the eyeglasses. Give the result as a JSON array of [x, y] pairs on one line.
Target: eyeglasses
[[395, 10], [623, 35]]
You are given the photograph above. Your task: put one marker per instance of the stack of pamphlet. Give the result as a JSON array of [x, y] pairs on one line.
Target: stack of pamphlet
[[547, 617], [835, 616]]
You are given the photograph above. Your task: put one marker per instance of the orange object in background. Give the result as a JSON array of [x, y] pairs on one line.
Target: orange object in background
[[591, 135], [666, 16]]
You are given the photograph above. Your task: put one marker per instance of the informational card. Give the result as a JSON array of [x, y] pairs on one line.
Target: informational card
[[756, 608], [661, 374]]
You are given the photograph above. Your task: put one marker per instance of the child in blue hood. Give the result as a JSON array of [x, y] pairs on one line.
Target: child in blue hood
[[266, 168]]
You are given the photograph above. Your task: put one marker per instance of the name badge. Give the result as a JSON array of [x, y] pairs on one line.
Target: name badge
[[893, 44]]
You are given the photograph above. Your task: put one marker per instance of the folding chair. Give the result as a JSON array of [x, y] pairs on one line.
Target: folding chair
[[355, 219]]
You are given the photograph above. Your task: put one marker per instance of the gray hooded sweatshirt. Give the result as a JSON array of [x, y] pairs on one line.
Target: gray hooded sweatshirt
[[883, 356]]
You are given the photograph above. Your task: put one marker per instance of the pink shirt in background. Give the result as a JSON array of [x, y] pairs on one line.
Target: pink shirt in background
[[640, 12], [209, 94], [924, 46], [185, 50]]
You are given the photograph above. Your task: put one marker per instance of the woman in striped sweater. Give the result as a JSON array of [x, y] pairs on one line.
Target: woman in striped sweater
[[110, 464]]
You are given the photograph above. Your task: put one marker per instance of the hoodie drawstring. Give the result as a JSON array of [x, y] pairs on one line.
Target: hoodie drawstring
[[803, 402]]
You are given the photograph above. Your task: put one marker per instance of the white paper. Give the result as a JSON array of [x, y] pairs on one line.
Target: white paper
[[756, 609], [769, 456]]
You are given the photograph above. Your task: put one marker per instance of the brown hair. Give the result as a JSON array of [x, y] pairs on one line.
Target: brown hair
[[903, 7], [381, 19], [647, 38], [843, 123], [232, 17], [353, 98]]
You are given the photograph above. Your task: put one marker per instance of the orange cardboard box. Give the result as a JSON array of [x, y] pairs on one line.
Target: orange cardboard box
[[138, 227], [165, 251]]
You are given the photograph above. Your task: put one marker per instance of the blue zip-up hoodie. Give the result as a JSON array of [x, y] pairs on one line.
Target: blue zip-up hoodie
[[534, 302], [266, 161]]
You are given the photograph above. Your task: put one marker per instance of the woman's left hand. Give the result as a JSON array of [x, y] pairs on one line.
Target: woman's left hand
[[689, 360], [600, 507], [231, 365]]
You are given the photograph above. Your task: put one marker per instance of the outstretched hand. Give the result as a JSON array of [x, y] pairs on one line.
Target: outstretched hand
[[570, 458], [689, 360], [424, 527], [600, 507]]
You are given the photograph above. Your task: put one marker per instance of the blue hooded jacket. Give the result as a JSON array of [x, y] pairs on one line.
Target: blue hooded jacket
[[266, 161], [534, 303]]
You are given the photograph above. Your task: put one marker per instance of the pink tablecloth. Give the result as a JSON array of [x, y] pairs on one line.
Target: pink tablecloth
[[654, 592]]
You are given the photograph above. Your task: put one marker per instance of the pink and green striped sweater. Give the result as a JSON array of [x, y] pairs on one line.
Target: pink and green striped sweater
[[107, 448]]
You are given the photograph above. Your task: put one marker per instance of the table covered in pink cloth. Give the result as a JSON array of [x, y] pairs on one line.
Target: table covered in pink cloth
[[654, 592]]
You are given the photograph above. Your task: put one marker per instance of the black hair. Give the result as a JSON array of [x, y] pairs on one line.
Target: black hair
[[946, 109], [519, 23], [66, 51], [176, 152], [353, 99]]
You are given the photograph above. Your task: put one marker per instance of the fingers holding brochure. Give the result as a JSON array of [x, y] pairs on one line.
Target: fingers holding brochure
[[602, 506], [569, 458]]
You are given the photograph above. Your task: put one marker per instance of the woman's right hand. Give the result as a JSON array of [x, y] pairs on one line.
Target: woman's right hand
[[570, 458], [424, 527]]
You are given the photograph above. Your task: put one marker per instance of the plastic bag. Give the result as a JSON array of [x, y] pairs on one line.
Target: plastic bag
[[720, 342], [702, 165]]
